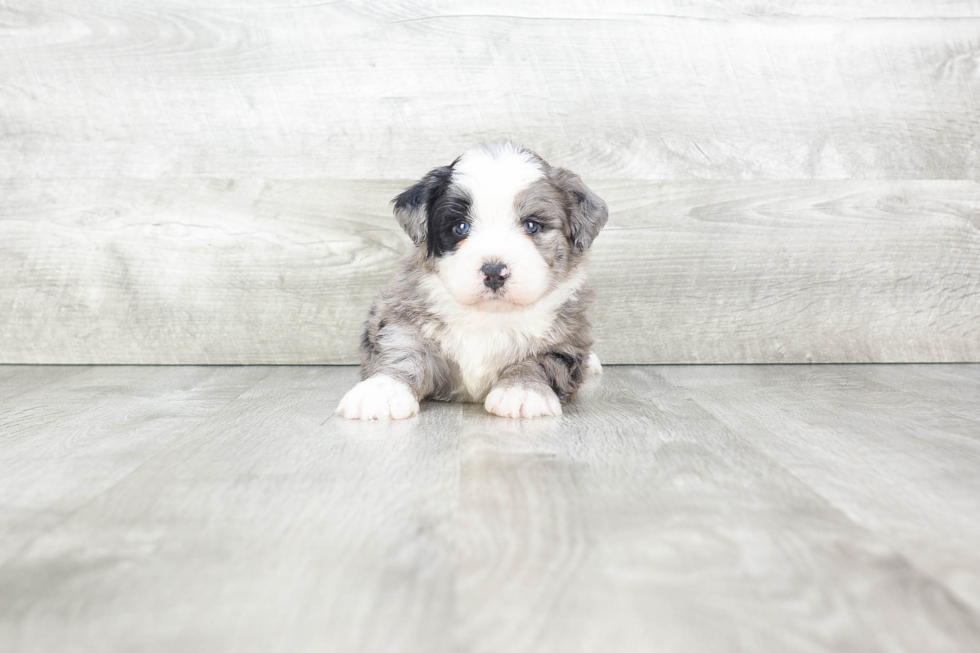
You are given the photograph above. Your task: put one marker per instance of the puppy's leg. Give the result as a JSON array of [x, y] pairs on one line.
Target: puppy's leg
[[535, 387], [396, 374]]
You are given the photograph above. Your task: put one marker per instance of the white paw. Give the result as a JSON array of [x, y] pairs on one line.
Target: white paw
[[379, 397], [592, 366], [513, 401]]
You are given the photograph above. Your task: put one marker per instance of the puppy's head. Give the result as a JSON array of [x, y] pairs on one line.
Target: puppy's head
[[500, 226]]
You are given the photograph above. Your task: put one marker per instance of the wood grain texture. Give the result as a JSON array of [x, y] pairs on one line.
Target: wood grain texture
[[98, 425], [704, 508], [618, 90], [289, 534], [919, 485], [188, 183], [283, 271], [16, 380]]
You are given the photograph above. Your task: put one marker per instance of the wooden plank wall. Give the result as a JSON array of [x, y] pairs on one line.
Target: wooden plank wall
[[790, 181]]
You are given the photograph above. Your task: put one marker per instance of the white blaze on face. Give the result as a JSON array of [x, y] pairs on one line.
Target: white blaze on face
[[492, 177]]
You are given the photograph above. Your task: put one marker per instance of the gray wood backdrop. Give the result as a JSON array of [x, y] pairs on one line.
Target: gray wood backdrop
[[790, 181]]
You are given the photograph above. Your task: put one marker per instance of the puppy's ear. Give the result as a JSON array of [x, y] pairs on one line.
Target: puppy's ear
[[412, 205], [586, 210]]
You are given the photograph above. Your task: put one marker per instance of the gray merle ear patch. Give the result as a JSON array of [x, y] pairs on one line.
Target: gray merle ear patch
[[588, 213]]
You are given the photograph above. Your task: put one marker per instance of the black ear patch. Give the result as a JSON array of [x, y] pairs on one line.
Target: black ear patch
[[413, 206], [587, 213], [445, 212], [429, 211]]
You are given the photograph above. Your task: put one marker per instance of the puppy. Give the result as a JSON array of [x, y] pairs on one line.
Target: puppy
[[490, 306]]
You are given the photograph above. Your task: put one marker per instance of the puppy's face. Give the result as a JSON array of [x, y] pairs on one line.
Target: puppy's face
[[500, 227]]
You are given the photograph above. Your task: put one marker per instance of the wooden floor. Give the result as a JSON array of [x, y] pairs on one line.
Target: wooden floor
[[696, 509]]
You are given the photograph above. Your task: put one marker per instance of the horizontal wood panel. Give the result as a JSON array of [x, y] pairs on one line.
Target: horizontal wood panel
[[618, 90], [283, 271]]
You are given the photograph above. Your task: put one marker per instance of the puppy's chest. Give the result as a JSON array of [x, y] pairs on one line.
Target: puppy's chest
[[484, 346]]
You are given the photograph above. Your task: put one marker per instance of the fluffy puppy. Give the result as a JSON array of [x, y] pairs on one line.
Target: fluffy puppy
[[490, 305]]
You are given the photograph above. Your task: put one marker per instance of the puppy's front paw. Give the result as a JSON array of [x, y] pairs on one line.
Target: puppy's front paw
[[592, 366], [514, 401], [379, 397]]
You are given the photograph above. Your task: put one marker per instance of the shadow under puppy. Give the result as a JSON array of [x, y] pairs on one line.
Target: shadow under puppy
[[490, 306]]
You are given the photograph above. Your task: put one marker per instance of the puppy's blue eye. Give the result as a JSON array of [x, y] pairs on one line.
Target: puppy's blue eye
[[531, 227], [462, 228]]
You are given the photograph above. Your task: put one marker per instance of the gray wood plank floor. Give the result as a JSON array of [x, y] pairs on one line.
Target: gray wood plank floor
[[756, 508]]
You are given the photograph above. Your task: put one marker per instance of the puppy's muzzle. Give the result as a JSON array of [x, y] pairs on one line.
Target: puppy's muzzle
[[494, 275]]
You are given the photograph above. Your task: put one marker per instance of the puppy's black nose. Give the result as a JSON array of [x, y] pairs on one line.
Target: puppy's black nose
[[494, 275]]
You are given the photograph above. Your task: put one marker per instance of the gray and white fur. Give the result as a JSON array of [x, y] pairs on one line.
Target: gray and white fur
[[490, 306]]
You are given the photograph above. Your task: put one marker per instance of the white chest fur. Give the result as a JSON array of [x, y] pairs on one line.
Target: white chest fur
[[483, 346], [484, 343]]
